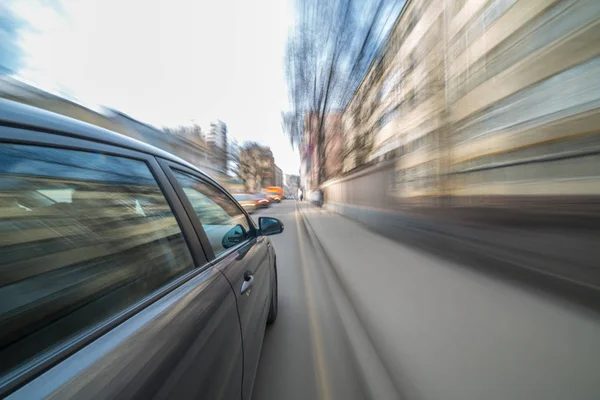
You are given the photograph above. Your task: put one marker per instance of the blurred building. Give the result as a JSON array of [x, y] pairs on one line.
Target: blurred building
[[292, 180], [334, 141], [187, 143], [291, 185], [305, 167], [216, 140], [268, 167], [233, 157], [190, 147], [278, 177], [193, 132], [313, 171], [487, 103], [235, 185], [15, 90], [309, 170]]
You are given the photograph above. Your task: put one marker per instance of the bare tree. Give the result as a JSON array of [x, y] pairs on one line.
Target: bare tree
[[328, 54], [252, 167], [233, 159]]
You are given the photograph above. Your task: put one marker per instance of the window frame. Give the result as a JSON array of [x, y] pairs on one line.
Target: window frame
[[54, 355], [168, 168]]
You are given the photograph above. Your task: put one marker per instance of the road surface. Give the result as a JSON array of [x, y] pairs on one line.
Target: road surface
[[439, 331], [305, 353]]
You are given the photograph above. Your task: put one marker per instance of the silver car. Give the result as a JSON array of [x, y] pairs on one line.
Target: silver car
[[125, 271]]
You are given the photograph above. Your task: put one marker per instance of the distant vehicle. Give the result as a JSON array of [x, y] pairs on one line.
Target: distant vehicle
[[316, 197], [125, 272], [247, 201], [262, 201], [275, 193]]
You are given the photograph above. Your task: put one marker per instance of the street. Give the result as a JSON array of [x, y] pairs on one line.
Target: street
[[362, 316], [440, 239], [305, 354]]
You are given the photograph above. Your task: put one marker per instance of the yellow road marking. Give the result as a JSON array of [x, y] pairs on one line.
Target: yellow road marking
[[318, 354]]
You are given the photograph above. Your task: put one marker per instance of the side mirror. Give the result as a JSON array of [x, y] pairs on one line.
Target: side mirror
[[270, 226], [233, 237]]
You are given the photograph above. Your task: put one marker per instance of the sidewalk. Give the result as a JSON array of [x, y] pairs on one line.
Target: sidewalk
[[561, 260], [448, 332]]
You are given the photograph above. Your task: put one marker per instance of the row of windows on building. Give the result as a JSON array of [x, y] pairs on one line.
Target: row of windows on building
[[565, 148], [576, 168], [425, 176]]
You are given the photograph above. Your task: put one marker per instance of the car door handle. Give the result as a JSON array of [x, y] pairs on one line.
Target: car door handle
[[248, 281]]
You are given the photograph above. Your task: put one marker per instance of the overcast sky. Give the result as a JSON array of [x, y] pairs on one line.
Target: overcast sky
[[166, 62]]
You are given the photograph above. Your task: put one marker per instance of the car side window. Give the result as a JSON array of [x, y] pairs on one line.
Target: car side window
[[84, 236], [223, 221]]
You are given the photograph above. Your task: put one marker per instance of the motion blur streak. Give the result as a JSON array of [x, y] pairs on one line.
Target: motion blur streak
[[474, 132], [442, 213]]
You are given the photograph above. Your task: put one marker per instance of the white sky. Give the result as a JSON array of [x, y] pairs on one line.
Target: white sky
[[167, 62]]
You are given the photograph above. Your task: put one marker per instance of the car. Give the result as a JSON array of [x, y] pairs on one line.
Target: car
[[316, 197], [247, 201], [262, 201], [274, 193], [125, 271]]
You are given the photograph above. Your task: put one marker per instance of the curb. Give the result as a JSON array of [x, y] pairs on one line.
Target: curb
[[375, 374]]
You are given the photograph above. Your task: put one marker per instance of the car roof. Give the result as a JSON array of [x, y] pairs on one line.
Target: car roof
[[23, 116]]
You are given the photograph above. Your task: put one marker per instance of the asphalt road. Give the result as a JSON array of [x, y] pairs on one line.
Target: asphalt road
[[305, 354], [436, 329]]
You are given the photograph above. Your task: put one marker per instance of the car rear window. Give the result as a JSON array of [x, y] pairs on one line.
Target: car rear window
[[84, 236]]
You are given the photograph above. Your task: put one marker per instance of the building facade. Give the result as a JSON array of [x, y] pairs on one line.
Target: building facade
[[190, 147], [278, 177], [305, 168], [291, 185], [216, 140], [333, 142], [488, 103]]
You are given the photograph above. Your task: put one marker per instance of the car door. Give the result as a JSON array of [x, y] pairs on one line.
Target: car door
[[105, 291], [236, 248]]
